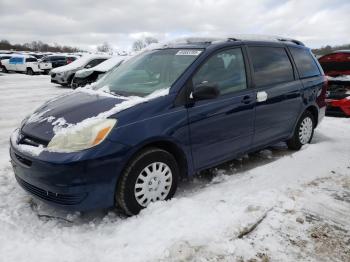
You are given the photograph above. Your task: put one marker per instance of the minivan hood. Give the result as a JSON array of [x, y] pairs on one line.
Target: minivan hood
[[68, 109]]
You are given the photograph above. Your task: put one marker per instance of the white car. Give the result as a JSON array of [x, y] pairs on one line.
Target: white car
[[22, 63], [64, 75]]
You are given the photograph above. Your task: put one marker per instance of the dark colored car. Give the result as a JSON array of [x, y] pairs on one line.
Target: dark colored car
[[53, 61], [168, 113]]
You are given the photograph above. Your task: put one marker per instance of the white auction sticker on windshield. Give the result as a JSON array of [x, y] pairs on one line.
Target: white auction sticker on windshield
[[189, 52]]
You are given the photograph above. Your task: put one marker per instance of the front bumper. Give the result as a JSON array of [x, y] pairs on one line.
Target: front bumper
[[339, 107], [78, 186], [58, 79]]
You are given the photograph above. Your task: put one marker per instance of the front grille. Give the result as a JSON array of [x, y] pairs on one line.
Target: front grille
[[53, 75], [62, 199], [31, 141]]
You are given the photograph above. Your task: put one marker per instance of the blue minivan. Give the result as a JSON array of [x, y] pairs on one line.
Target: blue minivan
[[165, 114]]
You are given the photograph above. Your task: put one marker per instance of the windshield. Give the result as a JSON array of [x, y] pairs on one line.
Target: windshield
[[148, 72]]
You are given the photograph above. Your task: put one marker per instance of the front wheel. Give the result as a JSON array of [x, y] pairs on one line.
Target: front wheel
[[303, 132], [30, 71], [151, 176]]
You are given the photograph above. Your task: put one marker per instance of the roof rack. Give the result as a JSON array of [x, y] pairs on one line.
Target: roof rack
[[297, 42], [264, 38]]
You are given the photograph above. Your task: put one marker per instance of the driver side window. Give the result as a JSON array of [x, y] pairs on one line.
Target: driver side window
[[224, 69]]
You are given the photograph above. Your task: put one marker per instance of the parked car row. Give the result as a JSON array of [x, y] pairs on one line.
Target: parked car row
[[64, 75], [33, 63], [90, 75]]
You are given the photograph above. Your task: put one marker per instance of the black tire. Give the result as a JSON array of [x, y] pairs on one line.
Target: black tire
[[125, 196], [70, 81], [3, 69], [29, 71], [295, 143]]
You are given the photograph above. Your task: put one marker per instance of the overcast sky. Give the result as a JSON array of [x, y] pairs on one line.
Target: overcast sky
[[87, 23]]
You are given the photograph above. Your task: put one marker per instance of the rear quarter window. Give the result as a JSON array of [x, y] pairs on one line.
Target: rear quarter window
[[305, 62], [271, 65], [31, 59]]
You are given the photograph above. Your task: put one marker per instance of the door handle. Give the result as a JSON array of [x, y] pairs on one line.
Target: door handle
[[246, 99], [261, 96]]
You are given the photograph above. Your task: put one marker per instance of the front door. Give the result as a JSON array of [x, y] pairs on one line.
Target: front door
[[222, 127]]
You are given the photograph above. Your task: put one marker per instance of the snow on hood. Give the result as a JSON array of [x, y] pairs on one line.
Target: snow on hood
[[127, 103], [80, 62], [32, 150], [61, 126]]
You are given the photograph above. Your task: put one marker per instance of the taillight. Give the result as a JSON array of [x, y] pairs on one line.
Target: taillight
[[69, 61]]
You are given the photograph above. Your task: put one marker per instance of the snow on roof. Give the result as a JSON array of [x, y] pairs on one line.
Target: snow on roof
[[110, 63], [80, 62], [107, 65]]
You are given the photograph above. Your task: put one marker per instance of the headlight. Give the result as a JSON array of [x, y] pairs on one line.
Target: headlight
[[80, 138]]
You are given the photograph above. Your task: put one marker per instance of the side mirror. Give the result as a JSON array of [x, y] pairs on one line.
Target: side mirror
[[88, 66], [205, 91]]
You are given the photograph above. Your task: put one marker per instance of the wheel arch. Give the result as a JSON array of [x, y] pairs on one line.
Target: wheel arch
[[169, 146], [313, 110]]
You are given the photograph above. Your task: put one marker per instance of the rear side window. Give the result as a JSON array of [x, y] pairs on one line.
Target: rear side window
[[94, 62], [271, 65], [305, 62], [31, 59]]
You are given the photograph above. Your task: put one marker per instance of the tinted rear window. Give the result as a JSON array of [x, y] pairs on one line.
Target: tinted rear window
[[271, 65], [31, 59], [305, 62]]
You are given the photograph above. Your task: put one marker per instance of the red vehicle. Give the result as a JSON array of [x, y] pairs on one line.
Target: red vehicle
[[337, 66]]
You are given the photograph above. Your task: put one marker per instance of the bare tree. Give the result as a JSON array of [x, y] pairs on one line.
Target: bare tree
[[138, 45], [150, 40], [142, 43], [105, 48]]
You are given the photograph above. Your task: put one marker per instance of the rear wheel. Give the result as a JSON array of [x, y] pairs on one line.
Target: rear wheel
[[70, 81], [303, 132], [30, 71], [151, 176]]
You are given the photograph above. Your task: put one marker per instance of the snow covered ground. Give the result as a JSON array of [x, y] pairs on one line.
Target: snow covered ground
[[274, 205]]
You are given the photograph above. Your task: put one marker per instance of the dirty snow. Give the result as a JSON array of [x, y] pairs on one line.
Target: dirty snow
[[273, 205]]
